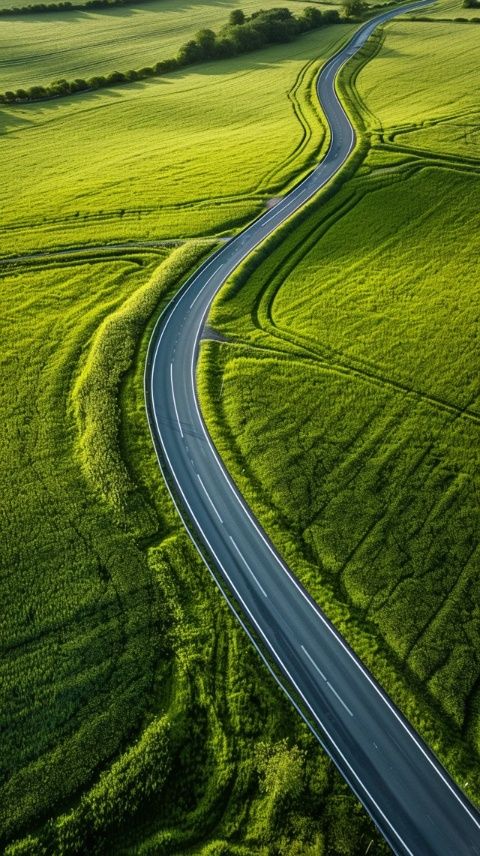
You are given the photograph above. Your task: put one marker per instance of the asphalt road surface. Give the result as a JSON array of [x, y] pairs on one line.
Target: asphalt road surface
[[410, 797]]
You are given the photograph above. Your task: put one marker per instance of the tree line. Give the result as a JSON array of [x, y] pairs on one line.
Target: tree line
[[240, 35], [66, 6]]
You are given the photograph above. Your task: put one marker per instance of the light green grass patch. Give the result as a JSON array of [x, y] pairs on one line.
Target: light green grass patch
[[123, 172], [451, 9], [416, 102]]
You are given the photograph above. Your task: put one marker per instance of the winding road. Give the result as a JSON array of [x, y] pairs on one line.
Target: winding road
[[416, 806]]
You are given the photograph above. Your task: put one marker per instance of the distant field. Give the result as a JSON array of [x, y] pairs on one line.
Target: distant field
[[135, 180], [354, 358], [451, 9], [36, 49], [410, 103]]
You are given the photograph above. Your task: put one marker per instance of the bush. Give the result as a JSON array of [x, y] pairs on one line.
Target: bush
[[237, 17]]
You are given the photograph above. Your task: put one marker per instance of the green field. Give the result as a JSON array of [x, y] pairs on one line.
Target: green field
[[136, 716], [451, 9], [410, 104], [36, 49], [140, 184], [351, 351]]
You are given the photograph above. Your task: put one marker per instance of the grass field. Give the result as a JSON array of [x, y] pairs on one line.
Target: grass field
[[125, 681], [413, 106], [351, 351], [82, 44], [451, 9], [138, 183], [136, 717]]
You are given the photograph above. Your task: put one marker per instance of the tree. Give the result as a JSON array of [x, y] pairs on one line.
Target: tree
[[353, 8], [189, 53], [237, 17], [311, 18], [206, 40], [281, 770]]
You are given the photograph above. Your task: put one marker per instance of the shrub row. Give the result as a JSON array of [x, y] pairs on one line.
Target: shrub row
[[95, 395], [239, 36], [36, 8]]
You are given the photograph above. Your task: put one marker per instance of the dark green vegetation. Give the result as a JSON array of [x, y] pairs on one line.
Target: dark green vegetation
[[136, 717], [242, 35], [346, 396]]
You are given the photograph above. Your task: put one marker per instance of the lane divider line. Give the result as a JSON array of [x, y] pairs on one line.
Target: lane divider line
[[314, 664], [204, 286], [209, 497], [248, 567], [174, 402], [339, 698], [318, 669]]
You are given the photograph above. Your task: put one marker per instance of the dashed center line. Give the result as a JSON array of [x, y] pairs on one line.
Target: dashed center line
[[204, 286], [248, 567], [326, 681], [173, 397], [339, 698], [209, 498]]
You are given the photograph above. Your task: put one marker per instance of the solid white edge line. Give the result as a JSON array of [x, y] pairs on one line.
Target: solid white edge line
[[209, 498], [174, 304], [173, 398], [330, 627], [248, 567], [247, 631]]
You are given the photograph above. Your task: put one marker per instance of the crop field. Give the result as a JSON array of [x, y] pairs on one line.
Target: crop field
[[139, 183], [135, 716], [81, 44], [410, 105], [119, 657], [451, 9], [351, 350]]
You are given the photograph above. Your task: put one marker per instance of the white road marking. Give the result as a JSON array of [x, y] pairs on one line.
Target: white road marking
[[314, 663], [325, 679], [285, 569], [248, 567], [339, 698], [209, 498], [204, 286], [173, 397]]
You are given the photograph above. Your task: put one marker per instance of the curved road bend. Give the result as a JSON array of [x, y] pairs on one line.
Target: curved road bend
[[410, 797]]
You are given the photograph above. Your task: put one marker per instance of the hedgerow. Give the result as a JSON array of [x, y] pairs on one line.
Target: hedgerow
[[95, 394]]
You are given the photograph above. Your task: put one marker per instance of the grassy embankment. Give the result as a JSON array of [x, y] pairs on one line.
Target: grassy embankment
[[346, 397], [133, 707]]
